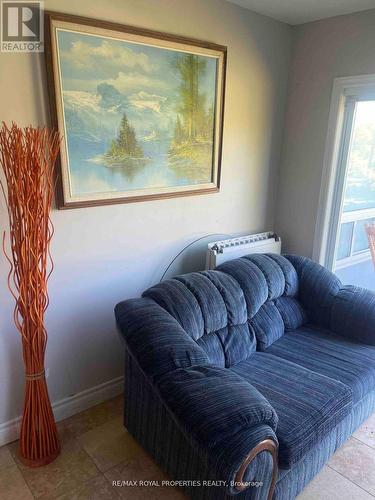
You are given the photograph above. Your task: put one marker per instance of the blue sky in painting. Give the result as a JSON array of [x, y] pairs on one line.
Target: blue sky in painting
[[103, 77]]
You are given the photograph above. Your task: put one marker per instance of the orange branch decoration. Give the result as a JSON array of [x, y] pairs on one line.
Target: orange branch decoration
[[27, 157]]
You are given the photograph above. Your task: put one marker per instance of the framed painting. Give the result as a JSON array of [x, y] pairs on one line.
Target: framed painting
[[140, 112]]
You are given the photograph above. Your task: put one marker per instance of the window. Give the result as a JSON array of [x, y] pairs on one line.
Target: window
[[348, 200]]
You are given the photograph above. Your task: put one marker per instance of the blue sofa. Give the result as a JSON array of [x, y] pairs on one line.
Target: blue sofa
[[245, 380]]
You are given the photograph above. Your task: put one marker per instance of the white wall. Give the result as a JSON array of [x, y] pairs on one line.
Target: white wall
[[105, 254], [322, 51]]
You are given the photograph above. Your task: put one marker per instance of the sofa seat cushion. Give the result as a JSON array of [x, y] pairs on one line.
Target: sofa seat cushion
[[308, 404], [351, 363]]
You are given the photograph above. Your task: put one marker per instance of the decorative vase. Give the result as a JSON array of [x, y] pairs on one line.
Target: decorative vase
[[27, 158]]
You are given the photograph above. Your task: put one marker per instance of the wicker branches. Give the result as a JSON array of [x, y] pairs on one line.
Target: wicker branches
[[27, 157]]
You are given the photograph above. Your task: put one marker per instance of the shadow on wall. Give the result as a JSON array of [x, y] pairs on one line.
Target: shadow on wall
[[11, 364]]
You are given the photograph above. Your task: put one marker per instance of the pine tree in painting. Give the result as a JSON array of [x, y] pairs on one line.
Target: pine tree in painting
[[194, 124], [125, 146]]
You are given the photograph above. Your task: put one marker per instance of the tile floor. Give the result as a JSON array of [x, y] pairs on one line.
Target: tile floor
[[96, 450]]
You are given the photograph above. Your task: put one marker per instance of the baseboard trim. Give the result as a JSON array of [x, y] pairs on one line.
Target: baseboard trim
[[9, 431]]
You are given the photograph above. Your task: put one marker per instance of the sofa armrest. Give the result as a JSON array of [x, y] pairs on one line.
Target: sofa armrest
[[353, 314], [155, 338], [229, 422]]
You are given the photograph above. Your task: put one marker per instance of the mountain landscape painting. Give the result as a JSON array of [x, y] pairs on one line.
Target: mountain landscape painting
[[138, 119]]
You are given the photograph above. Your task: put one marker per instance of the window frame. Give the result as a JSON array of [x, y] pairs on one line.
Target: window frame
[[346, 92]]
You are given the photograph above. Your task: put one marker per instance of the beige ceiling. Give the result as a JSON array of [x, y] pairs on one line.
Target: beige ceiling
[[303, 11]]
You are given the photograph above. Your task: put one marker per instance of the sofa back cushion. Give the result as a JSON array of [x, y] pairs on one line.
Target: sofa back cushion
[[244, 305], [267, 325], [270, 285], [291, 312], [211, 308]]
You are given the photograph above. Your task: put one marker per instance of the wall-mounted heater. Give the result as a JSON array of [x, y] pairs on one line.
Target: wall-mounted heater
[[221, 251]]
